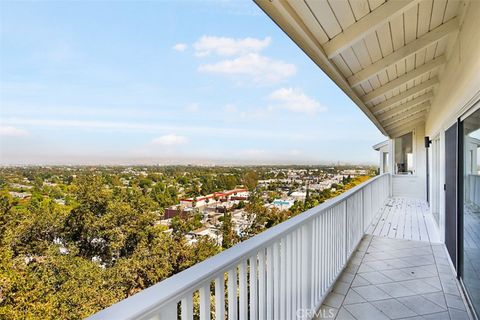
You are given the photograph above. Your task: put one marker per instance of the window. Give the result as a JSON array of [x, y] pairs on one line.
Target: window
[[385, 162], [404, 154]]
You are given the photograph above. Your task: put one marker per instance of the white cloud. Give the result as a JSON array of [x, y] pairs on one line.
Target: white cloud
[[194, 107], [120, 126], [262, 69], [170, 140], [180, 47], [230, 108], [12, 132], [225, 46], [295, 100]]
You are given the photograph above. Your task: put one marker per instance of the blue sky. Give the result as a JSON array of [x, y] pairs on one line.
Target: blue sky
[[152, 82]]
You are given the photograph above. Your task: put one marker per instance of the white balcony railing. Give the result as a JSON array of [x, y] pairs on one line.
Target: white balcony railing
[[282, 273]]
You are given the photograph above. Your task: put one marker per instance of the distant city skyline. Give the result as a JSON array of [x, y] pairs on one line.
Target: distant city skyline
[[214, 82]]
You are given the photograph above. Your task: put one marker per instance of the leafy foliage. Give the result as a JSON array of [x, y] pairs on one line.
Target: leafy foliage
[[86, 238], [69, 261]]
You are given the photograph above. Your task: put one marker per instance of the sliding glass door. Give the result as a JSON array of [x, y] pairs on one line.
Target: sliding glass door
[[469, 230]]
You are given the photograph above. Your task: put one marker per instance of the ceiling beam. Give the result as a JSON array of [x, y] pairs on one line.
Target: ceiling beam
[[401, 109], [411, 118], [404, 52], [409, 104], [401, 130], [404, 95], [366, 25], [411, 75], [407, 115]]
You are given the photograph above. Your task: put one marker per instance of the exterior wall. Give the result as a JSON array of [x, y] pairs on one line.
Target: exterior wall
[[382, 150], [436, 185], [458, 90], [460, 80], [412, 186]]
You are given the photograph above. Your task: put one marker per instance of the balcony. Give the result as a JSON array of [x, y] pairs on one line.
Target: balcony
[[399, 271], [361, 255]]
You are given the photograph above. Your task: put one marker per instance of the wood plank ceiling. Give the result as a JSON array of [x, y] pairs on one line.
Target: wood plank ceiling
[[386, 55]]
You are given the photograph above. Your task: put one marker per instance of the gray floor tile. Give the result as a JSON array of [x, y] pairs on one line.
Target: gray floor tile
[[454, 301], [420, 272], [397, 279], [420, 305], [326, 312], [444, 269], [365, 268], [359, 281], [419, 286], [434, 282], [396, 290], [371, 293], [436, 297], [437, 316], [346, 277], [393, 309], [334, 300], [353, 297], [343, 314], [456, 314], [376, 277], [397, 275], [450, 288], [365, 311], [341, 287]]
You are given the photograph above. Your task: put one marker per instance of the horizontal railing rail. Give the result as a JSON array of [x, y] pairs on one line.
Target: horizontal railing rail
[[284, 272]]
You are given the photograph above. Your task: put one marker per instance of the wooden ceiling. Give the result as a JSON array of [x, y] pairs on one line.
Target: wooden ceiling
[[386, 55]]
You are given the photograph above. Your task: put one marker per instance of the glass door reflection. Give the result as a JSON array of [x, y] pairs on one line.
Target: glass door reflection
[[470, 264]]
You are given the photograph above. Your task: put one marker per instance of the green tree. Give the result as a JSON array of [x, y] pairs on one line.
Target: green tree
[[250, 180], [228, 232]]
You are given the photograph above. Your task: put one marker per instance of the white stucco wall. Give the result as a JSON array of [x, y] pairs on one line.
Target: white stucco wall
[[414, 185], [458, 90], [460, 79]]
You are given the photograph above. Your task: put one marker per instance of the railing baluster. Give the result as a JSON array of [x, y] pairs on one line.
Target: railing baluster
[[276, 280], [232, 294], [306, 266], [299, 269], [168, 312], [187, 307], [270, 283], [324, 251], [220, 297], [329, 246], [318, 281], [288, 271], [314, 261], [243, 291], [204, 302], [253, 288], [346, 234], [283, 277], [262, 288], [294, 273]]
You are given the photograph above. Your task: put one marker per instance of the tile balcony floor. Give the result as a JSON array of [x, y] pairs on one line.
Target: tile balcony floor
[[396, 278]]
